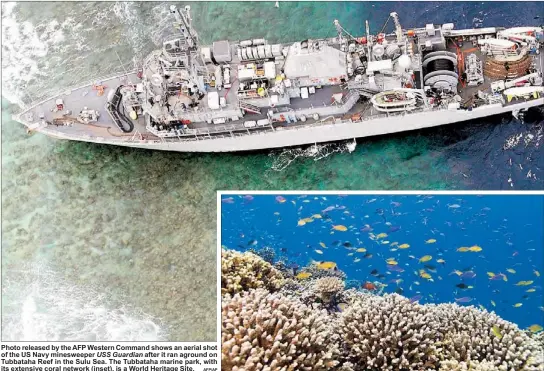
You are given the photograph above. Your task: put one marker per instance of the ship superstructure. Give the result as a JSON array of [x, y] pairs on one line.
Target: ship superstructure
[[252, 94]]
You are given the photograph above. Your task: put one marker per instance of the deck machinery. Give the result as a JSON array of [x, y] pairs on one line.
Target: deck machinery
[[191, 92]]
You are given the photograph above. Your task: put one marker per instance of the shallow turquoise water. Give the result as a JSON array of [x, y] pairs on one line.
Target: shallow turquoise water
[[139, 226]]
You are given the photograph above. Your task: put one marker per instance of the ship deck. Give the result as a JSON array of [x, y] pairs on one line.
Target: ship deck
[[105, 130], [75, 100], [468, 93]]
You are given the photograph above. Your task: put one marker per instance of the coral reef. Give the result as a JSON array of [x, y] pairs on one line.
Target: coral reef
[[316, 324], [244, 271], [454, 365], [320, 273], [327, 287], [390, 333], [264, 331], [468, 336], [267, 253]]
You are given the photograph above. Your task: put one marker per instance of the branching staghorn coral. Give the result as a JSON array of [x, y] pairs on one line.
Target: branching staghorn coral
[[390, 333], [454, 365], [244, 271], [327, 287], [469, 337], [264, 331]]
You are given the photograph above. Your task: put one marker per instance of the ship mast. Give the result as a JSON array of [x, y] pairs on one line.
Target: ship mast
[[184, 25], [190, 50]]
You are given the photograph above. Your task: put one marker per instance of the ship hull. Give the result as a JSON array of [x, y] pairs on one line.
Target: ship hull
[[304, 135]]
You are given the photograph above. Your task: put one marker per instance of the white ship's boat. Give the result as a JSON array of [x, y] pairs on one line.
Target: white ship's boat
[[252, 94]]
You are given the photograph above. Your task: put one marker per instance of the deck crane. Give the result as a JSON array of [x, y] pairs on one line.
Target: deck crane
[[341, 32], [398, 28]]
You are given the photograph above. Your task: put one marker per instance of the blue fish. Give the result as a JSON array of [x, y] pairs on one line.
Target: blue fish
[[464, 299], [413, 299], [393, 228], [394, 268], [468, 274]]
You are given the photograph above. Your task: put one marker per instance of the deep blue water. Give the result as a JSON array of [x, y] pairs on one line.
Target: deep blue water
[[508, 228]]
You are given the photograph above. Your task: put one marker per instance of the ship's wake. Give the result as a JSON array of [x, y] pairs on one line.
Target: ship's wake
[[38, 305], [282, 159]]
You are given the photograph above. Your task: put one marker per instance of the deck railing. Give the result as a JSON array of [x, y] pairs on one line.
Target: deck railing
[[128, 67]]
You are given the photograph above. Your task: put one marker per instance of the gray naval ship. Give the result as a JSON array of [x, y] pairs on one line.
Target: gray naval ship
[[251, 94]]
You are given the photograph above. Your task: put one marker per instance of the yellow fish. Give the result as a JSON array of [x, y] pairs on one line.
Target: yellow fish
[[535, 328], [537, 273], [361, 249], [517, 305], [441, 261], [425, 275], [496, 331], [322, 245], [425, 258], [304, 275], [432, 240], [491, 274], [404, 246], [340, 228], [319, 251], [511, 270], [301, 222], [524, 283], [316, 216], [475, 248], [457, 272], [326, 265], [308, 220], [381, 235], [391, 261], [530, 290], [356, 260], [493, 303], [463, 249]]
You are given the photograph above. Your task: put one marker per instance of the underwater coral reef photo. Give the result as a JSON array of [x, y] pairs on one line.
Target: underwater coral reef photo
[[382, 282]]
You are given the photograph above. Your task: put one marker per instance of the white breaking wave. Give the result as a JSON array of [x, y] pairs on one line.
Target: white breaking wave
[[39, 306], [527, 138], [317, 152], [42, 56]]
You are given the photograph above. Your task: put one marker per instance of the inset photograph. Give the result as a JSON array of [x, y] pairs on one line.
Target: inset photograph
[[382, 282]]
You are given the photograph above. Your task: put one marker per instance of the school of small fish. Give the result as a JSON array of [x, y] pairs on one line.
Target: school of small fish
[[384, 253]]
